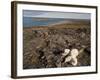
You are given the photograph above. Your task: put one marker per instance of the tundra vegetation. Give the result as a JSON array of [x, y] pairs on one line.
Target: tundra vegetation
[[54, 46]]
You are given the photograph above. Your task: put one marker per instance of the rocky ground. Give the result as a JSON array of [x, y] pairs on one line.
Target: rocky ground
[[43, 48]]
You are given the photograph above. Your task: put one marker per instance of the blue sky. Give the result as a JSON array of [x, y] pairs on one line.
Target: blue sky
[[53, 14]]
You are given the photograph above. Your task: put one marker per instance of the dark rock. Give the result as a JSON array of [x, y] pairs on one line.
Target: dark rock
[[44, 48]]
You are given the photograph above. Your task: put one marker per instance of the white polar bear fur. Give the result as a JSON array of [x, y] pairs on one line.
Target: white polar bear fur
[[74, 53], [72, 57], [74, 61], [66, 52], [68, 59]]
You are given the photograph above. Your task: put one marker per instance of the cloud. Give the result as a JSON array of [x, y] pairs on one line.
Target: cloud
[[31, 13], [54, 14]]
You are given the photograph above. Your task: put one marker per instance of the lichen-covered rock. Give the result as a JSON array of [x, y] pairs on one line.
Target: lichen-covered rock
[[44, 48]]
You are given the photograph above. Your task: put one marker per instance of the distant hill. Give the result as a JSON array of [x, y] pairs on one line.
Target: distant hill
[[59, 26]]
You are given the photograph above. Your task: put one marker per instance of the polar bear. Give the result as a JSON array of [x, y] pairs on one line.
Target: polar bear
[[72, 56], [66, 52]]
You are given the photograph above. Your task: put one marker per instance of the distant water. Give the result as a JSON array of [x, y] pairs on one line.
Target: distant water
[[30, 21]]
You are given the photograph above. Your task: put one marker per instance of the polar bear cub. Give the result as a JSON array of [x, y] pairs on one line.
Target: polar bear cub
[[66, 52], [74, 53]]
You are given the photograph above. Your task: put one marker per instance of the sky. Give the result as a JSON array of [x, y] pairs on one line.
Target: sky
[[54, 14]]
